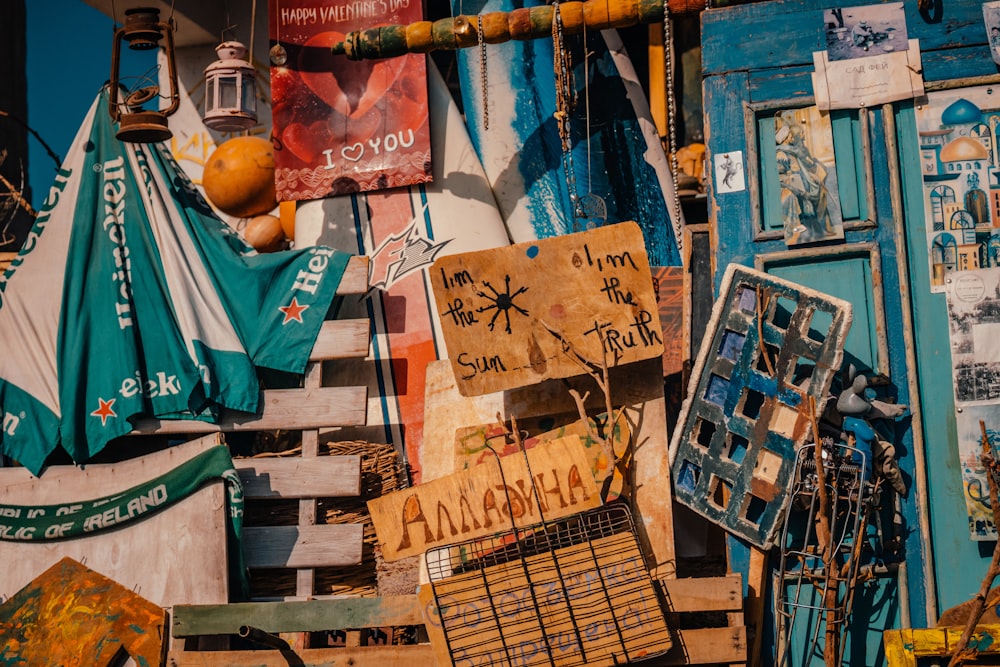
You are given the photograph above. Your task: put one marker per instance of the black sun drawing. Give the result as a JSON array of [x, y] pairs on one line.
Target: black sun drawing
[[501, 303]]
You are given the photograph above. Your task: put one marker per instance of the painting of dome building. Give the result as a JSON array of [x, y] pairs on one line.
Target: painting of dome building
[[958, 136]]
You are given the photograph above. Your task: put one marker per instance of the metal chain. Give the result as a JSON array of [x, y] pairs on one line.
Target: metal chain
[[482, 73], [668, 75]]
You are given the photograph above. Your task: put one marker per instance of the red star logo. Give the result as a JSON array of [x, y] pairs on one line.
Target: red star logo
[[105, 411], [292, 311]]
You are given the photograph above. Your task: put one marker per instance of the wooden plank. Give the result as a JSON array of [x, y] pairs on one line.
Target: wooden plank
[[342, 339], [296, 477], [421, 655], [153, 556], [470, 504], [476, 445], [299, 616], [707, 646], [704, 593], [506, 313], [73, 616], [670, 293], [287, 409], [324, 545], [355, 278]]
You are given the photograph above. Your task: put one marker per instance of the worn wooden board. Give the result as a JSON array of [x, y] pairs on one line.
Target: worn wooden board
[[288, 409], [303, 546], [475, 445], [668, 283], [296, 616], [486, 499], [507, 313], [73, 616], [362, 656], [153, 556], [589, 602], [295, 477]]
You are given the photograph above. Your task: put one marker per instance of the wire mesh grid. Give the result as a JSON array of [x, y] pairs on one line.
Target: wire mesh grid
[[569, 592], [804, 577]]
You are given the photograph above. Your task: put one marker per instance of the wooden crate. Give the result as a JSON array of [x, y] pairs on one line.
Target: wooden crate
[[308, 544]]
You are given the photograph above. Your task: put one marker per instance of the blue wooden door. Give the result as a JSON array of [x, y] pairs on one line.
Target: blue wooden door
[[757, 62]]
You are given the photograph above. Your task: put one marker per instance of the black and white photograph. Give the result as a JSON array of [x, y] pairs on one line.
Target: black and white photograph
[[859, 32]]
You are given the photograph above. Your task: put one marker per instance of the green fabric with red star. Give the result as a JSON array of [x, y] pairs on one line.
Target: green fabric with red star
[[131, 298]]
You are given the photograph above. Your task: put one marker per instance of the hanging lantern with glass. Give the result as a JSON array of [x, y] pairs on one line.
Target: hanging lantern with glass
[[142, 30], [230, 90]]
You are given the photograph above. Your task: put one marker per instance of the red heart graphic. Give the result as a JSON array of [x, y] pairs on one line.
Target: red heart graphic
[[350, 87], [307, 142]]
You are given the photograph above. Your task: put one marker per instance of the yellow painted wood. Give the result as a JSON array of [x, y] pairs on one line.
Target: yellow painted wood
[[904, 647]]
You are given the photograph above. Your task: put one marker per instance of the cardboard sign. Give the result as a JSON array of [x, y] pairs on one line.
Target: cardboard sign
[[485, 500], [340, 125], [516, 315]]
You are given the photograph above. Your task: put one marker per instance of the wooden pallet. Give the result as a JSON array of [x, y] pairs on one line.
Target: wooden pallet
[[683, 597], [307, 545]]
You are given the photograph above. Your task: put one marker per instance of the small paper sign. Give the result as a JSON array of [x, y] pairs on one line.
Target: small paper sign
[[517, 315]]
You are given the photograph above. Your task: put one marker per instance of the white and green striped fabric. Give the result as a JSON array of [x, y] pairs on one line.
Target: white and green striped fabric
[[132, 298]]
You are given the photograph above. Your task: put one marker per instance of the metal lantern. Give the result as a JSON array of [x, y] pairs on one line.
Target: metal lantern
[[230, 90], [142, 30]]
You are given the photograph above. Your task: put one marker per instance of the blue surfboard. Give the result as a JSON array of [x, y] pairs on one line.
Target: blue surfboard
[[616, 153]]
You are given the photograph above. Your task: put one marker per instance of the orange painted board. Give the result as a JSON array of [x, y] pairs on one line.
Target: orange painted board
[[74, 617], [508, 313]]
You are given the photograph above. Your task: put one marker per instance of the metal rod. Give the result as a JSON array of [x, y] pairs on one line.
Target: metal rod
[[263, 637]]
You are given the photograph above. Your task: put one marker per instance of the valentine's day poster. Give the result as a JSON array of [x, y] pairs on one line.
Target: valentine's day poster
[[340, 125]]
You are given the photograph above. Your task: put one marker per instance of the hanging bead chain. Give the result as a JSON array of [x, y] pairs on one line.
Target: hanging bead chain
[[564, 102], [668, 75], [562, 68], [483, 73]]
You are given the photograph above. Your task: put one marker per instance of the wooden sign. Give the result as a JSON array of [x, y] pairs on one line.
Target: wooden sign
[[513, 316], [484, 500], [70, 615], [475, 445]]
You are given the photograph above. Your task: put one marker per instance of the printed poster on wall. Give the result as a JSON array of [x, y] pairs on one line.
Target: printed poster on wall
[[961, 180], [973, 299], [340, 125], [868, 59]]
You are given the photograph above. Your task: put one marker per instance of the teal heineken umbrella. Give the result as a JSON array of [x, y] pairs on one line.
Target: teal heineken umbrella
[[131, 298]]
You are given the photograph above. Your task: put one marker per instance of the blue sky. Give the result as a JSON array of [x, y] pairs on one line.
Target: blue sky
[[69, 59]]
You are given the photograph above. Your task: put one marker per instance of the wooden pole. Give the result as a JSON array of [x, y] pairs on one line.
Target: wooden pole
[[462, 31]]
